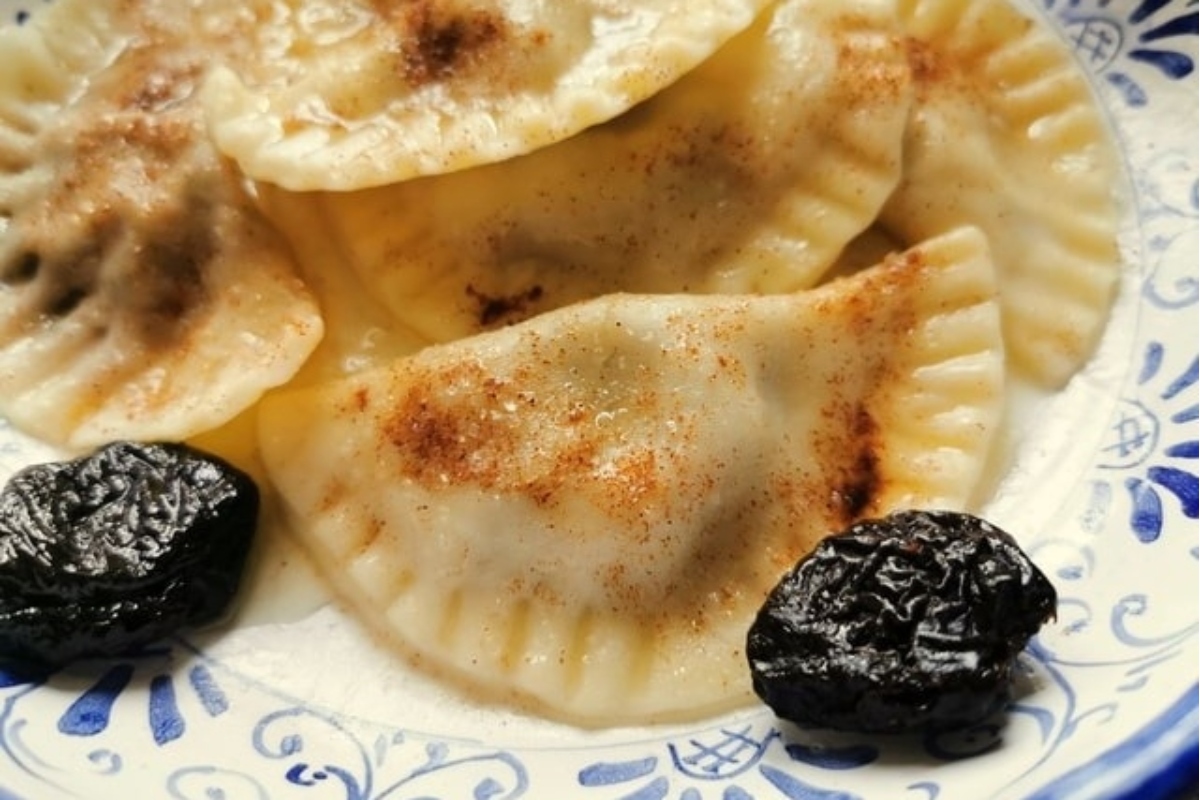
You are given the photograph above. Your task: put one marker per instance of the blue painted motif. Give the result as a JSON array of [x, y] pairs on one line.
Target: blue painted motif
[[794, 788], [166, 723], [1159, 461], [211, 783], [205, 685], [1169, 194], [1146, 514], [723, 754], [1141, 662], [932, 790], [90, 714], [607, 774], [1171, 740], [387, 766], [728, 758], [828, 757], [19, 673], [1153, 34]]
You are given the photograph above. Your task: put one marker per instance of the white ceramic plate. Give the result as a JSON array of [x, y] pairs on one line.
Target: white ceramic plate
[[298, 703]]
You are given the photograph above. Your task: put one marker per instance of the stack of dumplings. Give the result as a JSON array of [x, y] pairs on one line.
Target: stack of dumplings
[[565, 328], [142, 295]]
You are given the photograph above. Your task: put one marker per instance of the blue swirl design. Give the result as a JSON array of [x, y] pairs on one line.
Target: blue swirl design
[[1141, 660], [315, 753], [1167, 733], [211, 783], [389, 764], [1169, 199], [1153, 33]]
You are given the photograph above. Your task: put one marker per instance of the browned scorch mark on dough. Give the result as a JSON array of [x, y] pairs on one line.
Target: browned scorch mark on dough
[[437, 40], [863, 481], [492, 309]]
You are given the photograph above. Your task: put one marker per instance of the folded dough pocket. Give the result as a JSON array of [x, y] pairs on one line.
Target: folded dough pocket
[[749, 174], [1007, 135], [353, 94], [141, 294], [585, 510]]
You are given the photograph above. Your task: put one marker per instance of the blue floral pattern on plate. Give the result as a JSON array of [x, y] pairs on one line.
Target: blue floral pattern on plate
[[1105, 705]]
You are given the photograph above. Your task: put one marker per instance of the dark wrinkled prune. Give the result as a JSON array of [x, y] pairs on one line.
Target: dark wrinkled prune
[[118, 548], [910, 622]]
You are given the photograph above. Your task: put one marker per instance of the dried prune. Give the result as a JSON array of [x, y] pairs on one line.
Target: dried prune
[[911, 622], [118, 548]]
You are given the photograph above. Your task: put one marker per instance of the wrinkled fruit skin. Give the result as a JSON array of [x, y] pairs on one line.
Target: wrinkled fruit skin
[[119, 548], [907, 623]]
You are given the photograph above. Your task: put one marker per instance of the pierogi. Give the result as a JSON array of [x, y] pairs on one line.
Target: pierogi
[[355, 93], [587, 508], [142, 295], [750, 174], [1006, 135]]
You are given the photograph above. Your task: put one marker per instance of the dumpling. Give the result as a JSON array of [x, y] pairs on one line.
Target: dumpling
[[141, 294], [1007, 135], [359, 330], [353, 94], [583, 511], [748, 175]]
